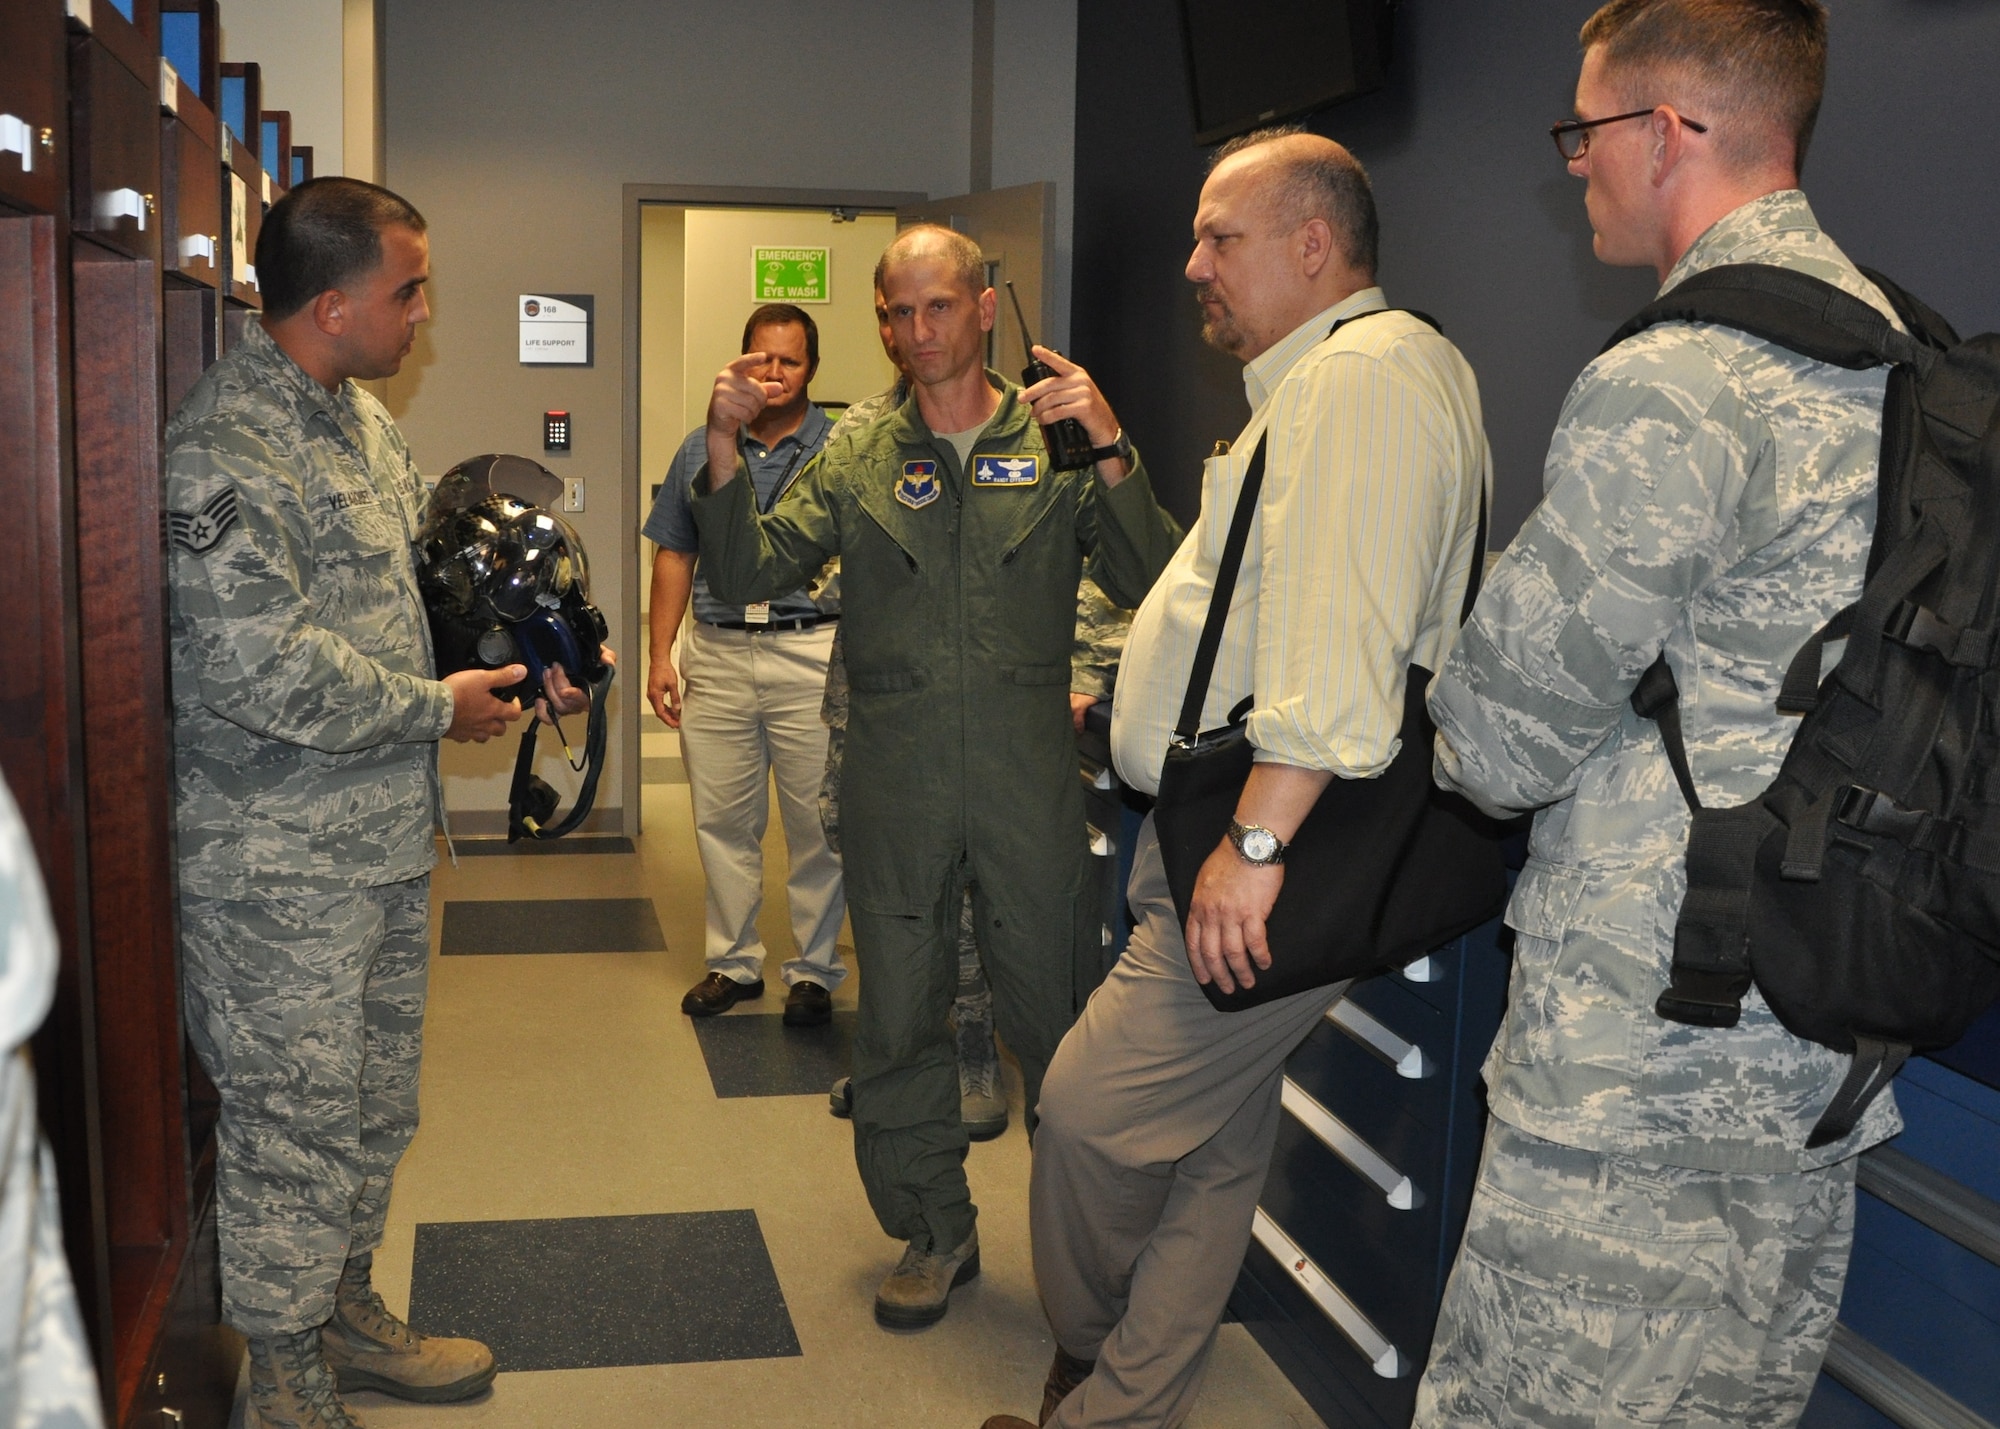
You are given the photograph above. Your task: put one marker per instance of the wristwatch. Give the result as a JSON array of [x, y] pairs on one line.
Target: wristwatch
[[1256, 844], [1120, 446]]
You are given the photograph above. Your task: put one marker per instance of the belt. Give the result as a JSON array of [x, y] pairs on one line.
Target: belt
[[794, 623]]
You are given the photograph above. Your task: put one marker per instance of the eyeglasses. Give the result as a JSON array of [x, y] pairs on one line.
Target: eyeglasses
[[1572, 136]]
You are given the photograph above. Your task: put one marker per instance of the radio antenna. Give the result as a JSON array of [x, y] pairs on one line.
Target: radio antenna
[[1027, 342]]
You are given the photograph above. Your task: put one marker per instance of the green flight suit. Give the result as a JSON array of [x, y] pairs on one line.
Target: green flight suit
[[958, 599]]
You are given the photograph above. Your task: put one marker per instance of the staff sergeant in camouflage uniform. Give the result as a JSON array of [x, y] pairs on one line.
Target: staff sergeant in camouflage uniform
[[306, 724], [46, 1381], [1100, 637], [960, 556], [1650, 1241]]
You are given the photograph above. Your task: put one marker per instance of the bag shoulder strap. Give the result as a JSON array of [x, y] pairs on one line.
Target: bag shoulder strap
[[1188, 727], [1795, 310], [1206, 648]]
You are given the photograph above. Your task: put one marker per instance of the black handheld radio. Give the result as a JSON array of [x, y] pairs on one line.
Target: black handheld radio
[[1070, 447]]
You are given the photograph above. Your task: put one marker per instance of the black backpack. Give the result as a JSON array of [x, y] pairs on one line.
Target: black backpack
[[1861, 891]]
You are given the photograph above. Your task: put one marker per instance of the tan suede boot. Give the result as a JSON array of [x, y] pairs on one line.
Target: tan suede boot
[[366, 1347], [918, 1290], [291, 1388]]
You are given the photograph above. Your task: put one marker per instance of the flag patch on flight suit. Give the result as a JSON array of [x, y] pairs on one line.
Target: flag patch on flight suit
[[919, 486], [1024, 469]]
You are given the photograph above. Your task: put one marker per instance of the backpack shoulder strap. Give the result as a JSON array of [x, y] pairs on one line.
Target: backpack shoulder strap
[[1795, 310], [1918, 316]]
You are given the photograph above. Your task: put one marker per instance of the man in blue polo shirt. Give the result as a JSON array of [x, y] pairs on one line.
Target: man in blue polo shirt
[[746, 700]]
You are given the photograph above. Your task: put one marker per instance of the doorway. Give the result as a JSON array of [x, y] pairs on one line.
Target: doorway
[[689, 285]]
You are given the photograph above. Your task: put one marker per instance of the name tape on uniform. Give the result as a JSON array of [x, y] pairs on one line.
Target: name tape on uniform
[[1022, 469]]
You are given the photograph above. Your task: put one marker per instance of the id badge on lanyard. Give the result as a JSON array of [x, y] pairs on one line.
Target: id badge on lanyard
[[759, 612]]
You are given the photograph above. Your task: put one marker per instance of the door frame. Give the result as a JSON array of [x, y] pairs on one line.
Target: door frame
[[632, 480]]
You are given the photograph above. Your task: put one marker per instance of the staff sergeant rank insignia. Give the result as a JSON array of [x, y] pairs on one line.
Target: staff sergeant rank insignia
[[199, 531], [1024, 469], [919, 486]]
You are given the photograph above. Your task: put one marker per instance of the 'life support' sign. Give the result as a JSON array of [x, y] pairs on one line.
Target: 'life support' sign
[[789, 275], [555, 328]]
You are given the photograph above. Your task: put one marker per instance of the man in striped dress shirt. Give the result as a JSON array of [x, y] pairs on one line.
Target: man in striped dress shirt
[[1159, 1112]]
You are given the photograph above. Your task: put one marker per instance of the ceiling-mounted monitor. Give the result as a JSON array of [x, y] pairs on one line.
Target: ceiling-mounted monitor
[[1257, 62]]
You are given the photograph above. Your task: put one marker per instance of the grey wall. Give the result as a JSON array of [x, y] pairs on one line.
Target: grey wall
[[514, 124], [1482, 227]]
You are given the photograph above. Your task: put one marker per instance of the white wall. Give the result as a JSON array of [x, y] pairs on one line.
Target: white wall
[[297, 43], [514, 124]]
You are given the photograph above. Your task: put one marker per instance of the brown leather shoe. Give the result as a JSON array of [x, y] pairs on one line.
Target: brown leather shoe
[[718, 992], [1066, 1372]]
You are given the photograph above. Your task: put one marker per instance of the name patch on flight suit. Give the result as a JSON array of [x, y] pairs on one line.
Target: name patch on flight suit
[[919, 486], [1023, 469]]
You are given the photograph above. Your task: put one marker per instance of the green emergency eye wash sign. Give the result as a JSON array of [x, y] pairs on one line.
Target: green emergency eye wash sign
[[789, 275]]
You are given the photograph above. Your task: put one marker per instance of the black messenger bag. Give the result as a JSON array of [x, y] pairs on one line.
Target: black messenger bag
[[1382, 871]]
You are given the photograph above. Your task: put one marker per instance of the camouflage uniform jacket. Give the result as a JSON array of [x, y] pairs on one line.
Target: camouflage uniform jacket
[[1712, 495], [958, 618], [306, 720]]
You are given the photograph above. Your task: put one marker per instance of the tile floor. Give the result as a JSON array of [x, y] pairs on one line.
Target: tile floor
[[601, 1182]]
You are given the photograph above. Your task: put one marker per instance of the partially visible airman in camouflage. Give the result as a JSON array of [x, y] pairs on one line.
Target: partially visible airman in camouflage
[[46, 1380], [306, 722], [1650, 1239]]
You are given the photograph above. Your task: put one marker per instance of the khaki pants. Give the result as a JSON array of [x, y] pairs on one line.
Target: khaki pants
[[750, 709], [1158, 1118]]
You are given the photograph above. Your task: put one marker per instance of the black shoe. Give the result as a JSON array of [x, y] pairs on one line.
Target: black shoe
[[808, 1005], [718, 992]]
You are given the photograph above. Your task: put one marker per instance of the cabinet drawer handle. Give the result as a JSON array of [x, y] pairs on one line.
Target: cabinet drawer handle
[[1406, 1057], [1384, 1358], [16, 137], [124, 203], [1339, 1138]]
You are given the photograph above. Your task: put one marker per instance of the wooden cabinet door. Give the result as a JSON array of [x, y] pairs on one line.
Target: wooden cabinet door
[[115, 163], [191, 234], [33, 91]]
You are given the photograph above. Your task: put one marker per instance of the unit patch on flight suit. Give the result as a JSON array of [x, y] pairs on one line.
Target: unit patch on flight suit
[[919, 486], [1022, 469]]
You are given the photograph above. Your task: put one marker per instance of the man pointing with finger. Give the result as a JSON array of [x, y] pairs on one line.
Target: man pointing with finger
[[960, 554]]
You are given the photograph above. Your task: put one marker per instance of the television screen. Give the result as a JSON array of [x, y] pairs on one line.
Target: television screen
[[1255, 62]]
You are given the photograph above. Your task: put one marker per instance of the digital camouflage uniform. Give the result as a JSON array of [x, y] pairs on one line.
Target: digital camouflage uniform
[[1650, 1240], [46, 1381], [306, 724], [959, 614]]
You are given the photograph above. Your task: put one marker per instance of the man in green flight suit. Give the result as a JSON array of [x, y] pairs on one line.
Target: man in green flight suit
[[960, 554]]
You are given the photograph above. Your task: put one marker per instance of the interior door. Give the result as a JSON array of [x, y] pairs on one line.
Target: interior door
[[1016, 229]]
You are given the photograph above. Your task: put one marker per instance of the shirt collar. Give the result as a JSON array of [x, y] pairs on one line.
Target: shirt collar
[[810, 430], [1263, 373], [1741, 232], [263, 349]]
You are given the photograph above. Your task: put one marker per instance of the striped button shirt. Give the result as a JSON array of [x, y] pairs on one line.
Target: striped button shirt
[[1374, 462]]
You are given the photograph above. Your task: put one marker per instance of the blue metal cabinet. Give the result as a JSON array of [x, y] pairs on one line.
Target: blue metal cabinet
[[1919, 1333], [1367, 1196]]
